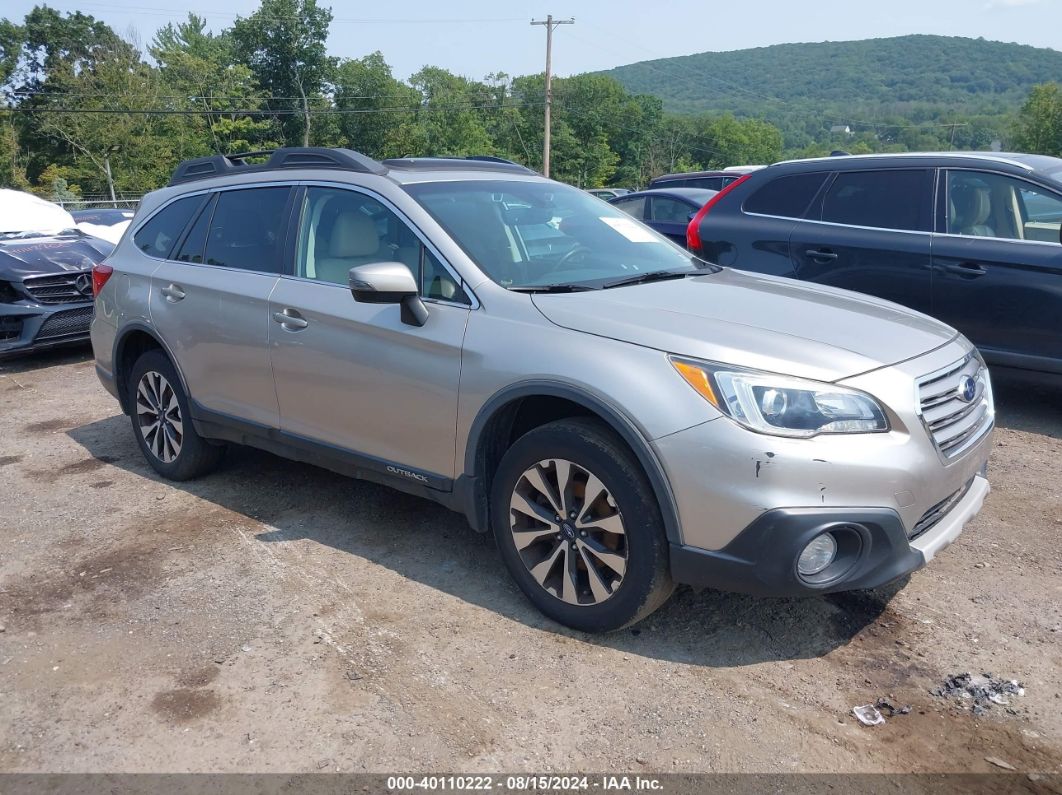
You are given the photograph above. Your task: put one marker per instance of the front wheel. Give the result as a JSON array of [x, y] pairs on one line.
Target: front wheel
[[579, 528], [162, 423]]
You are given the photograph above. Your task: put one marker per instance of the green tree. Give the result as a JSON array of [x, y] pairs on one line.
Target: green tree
[[378, 116], [1039, 128], [198, 72], [451, 118], [283, 43]]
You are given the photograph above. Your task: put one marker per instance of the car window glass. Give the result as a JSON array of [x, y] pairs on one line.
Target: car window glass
[[194, 243], [787, 196], [246, 229], [711, 183], [664, 208], [885, 199], [536, 233], [437, 282], [635, 207], [341, 229], [158, 235], [981, 204]]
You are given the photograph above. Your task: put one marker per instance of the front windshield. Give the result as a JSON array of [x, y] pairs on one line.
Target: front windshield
[[538, 234]]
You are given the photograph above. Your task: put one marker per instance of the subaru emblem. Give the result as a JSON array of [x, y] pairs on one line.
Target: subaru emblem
[[967, 389]]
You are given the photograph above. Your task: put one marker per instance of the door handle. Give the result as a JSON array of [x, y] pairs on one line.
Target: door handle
[[172, 293], [821, 254], [968, 270], [290, 320]]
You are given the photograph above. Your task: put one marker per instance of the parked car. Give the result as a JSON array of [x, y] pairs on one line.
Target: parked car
[[971, 239], [45, 275], [608, 193], [622, 415], [708, 180], [668, 211], [105, 216]]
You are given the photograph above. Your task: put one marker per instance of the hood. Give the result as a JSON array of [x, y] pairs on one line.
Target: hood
[[754, 321], [48, 254], [24, 212]]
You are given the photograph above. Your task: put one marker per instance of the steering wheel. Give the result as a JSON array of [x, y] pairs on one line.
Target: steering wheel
[[570, 255]]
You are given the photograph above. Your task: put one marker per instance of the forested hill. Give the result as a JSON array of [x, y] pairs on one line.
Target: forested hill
[[890, 76]]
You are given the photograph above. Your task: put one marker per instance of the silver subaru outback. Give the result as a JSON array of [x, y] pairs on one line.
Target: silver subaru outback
[[621, 415]]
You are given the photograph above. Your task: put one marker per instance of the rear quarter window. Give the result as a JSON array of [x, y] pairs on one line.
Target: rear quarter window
[[157, 237], [788, 196]]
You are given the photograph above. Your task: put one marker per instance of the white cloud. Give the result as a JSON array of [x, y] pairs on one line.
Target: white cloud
[[993, 4]]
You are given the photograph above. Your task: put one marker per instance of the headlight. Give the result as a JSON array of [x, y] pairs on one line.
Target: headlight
[[781, 405]]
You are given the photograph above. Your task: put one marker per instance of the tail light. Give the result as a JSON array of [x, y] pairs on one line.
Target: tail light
[[693, 231], [101, 272]]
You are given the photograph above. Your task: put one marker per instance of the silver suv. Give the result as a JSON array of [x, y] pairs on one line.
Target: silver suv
[[622, 415]]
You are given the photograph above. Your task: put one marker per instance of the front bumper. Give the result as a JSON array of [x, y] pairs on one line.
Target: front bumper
[[761, 560], [25, 328]]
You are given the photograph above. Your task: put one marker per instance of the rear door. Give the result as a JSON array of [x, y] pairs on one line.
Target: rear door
[[210, 301], [998, 266], [870, 231]]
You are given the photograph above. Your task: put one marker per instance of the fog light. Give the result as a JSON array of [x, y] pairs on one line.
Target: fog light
[[817, 555]]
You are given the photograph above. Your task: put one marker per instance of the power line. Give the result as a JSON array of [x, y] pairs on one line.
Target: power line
[[354, 20], [261, 112]]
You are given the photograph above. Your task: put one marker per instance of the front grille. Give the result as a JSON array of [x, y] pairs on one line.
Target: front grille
[[74, 322], [937, 512], [954, 422], [59, 289], [10, 328]]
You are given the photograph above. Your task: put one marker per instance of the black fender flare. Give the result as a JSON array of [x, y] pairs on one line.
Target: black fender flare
[[627, 429]]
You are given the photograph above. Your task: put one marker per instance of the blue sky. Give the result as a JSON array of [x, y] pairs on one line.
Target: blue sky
[[475, 37]]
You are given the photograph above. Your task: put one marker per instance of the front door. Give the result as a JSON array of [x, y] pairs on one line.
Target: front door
[[353, 375], [870, 232], [998, 267], [209, 301]]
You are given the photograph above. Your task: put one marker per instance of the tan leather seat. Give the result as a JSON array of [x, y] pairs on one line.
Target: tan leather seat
[[353, 242], [971, 207]]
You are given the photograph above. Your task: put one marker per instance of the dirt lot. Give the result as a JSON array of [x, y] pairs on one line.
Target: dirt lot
[[276, 617]]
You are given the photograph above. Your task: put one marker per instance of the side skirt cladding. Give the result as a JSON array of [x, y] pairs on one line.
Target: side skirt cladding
[[221, 427]]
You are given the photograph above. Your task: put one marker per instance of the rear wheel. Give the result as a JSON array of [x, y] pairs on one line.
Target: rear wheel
[[162, 424], [579, 527]]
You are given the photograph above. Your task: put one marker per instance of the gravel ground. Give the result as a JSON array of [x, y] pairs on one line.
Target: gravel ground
[[277, 617]]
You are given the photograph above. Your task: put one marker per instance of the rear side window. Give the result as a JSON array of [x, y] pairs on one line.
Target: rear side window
[[246, 229], [670, 210], [192, 247], [787, 196], [886, 199], [710, 183], [635, 206], [157, 236]]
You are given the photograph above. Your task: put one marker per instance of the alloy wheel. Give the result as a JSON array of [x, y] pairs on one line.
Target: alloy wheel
[[569, 532], [159, 416]]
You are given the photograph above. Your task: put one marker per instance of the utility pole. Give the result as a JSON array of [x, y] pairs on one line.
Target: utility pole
[[550, 23]]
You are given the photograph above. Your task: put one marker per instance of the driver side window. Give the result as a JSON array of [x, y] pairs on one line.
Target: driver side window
[[341, 229]]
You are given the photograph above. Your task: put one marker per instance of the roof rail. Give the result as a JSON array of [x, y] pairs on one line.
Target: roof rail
[[288, 157], [469, 163]]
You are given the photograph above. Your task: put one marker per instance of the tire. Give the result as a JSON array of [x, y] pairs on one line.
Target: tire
[[173, 448], [601, 570]]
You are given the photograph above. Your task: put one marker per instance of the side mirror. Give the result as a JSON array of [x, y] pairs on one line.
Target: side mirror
[[389, 283]]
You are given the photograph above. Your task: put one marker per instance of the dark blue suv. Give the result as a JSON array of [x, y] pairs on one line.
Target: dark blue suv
[[970, 238]]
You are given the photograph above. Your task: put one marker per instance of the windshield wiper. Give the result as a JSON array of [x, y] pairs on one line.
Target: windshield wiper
[[553, 288], [651, 276]]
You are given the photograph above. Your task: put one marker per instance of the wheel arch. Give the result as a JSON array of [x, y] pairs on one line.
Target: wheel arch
[[134, 340], [499, 423]]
